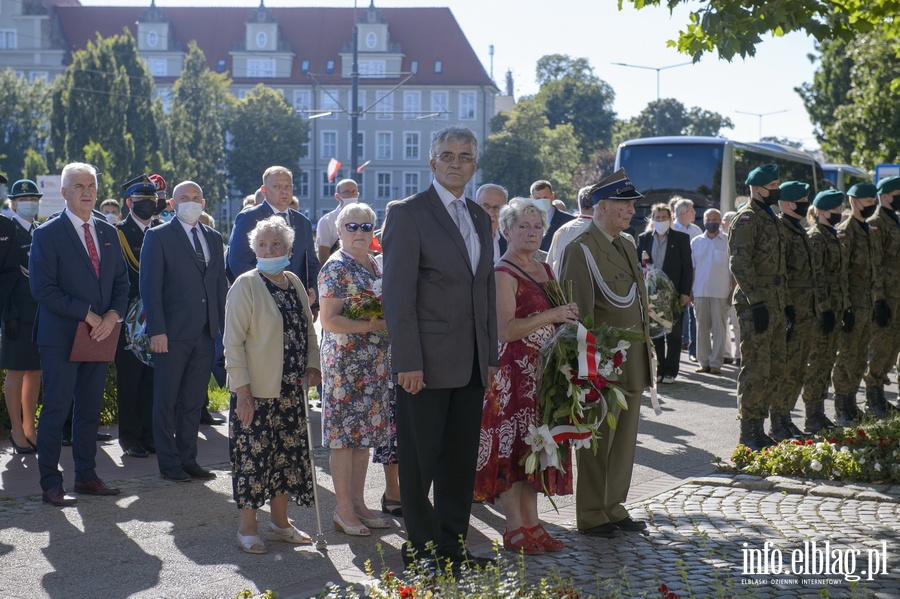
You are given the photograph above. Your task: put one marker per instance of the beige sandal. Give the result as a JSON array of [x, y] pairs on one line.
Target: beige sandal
[[288, 535], [251, 544]]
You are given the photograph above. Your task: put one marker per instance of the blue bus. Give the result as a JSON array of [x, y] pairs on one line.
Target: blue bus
[[844, 176]]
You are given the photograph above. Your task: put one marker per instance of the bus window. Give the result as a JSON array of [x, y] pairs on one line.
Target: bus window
[[662, 171]]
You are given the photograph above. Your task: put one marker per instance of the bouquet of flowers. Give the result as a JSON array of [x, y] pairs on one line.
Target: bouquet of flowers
[[579, 367], [665, 302], [364, 304]]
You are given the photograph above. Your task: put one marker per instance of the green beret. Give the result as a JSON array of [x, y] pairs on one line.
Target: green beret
[[889, 184], [763, 174], [794, 191], [829, 199], [863, 190]]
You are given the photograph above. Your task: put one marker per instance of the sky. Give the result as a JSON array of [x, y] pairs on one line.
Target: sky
[[521, 31]]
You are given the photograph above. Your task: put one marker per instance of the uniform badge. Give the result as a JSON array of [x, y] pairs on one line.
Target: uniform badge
[[744, 217], [841, 235], [873, 227]]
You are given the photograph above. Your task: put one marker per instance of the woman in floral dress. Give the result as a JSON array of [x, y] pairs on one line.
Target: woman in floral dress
[[270, 345], [525, 319], [356, 361]]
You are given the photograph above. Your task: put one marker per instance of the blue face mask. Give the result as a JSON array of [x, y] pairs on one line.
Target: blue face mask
[[27, 210], [166, 215], [272, 266]]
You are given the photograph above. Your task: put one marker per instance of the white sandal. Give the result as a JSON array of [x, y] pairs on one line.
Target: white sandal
[[374, 522], [288, 535], [251, 544]]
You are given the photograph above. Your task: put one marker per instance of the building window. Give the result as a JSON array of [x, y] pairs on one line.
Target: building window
[[384, 106], [262, 68], [302, 101], [467, 106], [384, 145], [261, 39], [440, 102], [371, 40], [438, 67], [383, 186], [414, 66], [158, 67], [328, 186], [410, 184], [360, 143], [331, 102], [410, 145], [8, 39], [38, 75], [372, 69], [329, 67], [412, 104], [361, 103], [152, 39], [301, 184], [304, 66], [329, 145]]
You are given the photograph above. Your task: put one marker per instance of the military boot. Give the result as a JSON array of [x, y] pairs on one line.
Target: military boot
[[875, 402], [853, 407], [816, 419], [778, 431], [788, 423], [753, 436], [842, 414]]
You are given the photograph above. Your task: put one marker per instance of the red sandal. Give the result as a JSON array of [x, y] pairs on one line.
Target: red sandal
[[543, 538], [520, 540]]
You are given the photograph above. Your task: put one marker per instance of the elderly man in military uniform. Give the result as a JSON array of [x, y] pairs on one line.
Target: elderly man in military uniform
[[794, 205], [884, 227], [857, 239], [756, 249], [609, 288]]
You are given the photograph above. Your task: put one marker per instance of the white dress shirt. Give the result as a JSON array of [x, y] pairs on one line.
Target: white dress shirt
[[448, 198], [563, 237], [712, 278], [692, 229], [326, 229], [190, 236], [79, 228]]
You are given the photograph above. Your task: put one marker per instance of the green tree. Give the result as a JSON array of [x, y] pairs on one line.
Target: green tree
[[196, 134], [35, 165], [783, 141], [553, 67], [106, 184], [672, 118], [830, 85], [24, 115], [265, 132], [735, 27]]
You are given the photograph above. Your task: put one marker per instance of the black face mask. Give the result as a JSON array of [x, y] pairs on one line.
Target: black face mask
[[834, 218], [802, 208], [144, 209], [867, 211], [773, 197], [892, 204], [711, 227]]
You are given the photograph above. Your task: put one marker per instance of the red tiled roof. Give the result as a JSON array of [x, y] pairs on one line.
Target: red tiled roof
[[314, 34]]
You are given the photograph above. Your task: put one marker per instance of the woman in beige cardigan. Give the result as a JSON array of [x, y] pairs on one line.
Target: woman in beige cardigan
[[270, 346]]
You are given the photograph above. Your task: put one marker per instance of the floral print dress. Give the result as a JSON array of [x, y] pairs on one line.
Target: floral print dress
[[356, 367], [271, 456]]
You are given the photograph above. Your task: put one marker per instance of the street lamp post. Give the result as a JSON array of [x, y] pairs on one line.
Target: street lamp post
[[761, 115], [657, 69]]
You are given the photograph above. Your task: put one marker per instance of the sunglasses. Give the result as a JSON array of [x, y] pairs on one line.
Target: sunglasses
[[353, 227]]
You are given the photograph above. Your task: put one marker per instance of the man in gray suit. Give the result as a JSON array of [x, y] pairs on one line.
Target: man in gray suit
[[440, 310]]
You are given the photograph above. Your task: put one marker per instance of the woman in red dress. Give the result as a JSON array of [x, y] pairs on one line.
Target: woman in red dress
[[525, 319]]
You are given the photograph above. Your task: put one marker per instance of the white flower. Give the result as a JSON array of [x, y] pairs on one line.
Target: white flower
[[621, 346], [845, 449], [877, 467], [862, 461], [567, 371], [816, 465]]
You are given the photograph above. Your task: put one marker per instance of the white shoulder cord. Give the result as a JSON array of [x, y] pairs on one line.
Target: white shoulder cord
[[619, 301]]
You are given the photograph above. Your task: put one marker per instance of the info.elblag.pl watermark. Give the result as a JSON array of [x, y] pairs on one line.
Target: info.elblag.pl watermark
[[816, 562]]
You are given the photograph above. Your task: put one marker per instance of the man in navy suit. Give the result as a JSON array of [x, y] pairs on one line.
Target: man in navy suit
[[77, 274], [182, 282], [542, 193], [278, 189]]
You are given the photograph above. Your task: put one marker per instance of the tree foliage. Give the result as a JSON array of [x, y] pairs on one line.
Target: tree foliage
[[265, 131], [673, 118], [553, 67], [34, 166], [24, 109], [735, 27], [830, 84], [196, 134]]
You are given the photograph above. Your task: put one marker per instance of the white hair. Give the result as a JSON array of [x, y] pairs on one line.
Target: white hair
[[77, 168]]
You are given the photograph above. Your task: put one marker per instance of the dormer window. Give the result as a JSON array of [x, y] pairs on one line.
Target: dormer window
[[261, 39], [329, 67], [304, 66], [152, 39], [438, 67], [371, 40], [414, 66]]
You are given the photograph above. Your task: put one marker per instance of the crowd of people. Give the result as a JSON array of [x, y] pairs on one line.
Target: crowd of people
[[440, 388]]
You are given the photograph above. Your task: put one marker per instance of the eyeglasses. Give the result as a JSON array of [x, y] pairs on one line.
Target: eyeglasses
[[450, 157], [489, 208], [353, 227], [349, 194]]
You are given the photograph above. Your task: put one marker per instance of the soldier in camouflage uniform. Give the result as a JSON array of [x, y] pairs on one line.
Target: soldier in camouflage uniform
[[756, 259], [884, 227], [829, 262], [856, 333], [794, 205]]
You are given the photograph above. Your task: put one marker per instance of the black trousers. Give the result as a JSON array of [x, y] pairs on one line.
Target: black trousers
[[668, 349], [437, 444], [134, 392]]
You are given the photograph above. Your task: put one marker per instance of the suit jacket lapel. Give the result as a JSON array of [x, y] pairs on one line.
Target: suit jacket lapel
[[613, 255], [443, 217], [69, 227], [211, 237], [486, 241], [186, 242]]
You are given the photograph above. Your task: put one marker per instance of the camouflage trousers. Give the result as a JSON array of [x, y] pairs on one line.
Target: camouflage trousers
[[853, 353], [883, 347], [820, 364], [785, 394], [762, 362]]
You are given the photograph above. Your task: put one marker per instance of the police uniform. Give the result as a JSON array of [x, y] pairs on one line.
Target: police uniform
[[853, 344], [756, 258], [884, 227], [799, 272], [829, 262]]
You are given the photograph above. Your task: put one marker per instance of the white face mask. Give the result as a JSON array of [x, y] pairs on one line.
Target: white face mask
[[112, 218], [661, 227], [543, 204], [189, 212]]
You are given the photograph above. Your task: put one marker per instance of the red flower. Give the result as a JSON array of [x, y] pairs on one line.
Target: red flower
[[671, 596], [663, 589], [861, 433], [809, 441], [798, 442], [832, 440], [389, 576], [618, 358], [406, 592]]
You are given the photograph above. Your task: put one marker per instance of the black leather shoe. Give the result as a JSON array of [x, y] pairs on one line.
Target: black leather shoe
[[67, 439], [628, 524], [95, 487], [104, 436], [150, 448], [198, 472], [136, 451], [606, 530], [58, 497], [211, 419], [176, 474]]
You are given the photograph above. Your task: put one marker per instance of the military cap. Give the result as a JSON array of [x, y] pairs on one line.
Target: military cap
[[829, 199], [762, 175], [24, 188], [139, 186], [617, 186], [158, 182], [863, 190], [794, 191], [889, 184]]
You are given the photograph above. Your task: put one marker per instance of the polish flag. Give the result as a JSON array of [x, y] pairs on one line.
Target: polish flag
[[362, 166], [333, 166]]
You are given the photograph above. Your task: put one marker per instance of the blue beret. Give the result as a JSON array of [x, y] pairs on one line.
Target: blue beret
[[615, 187], [794, 191], [863, 190], [829, 199], [762, 175], [889, 184]]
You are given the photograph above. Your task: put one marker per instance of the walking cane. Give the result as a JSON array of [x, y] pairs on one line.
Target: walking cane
[[320, 538]]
